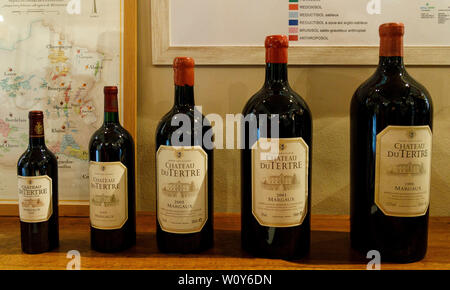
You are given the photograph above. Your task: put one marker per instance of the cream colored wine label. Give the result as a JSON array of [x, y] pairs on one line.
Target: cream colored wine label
[[108, 203], [35, 199], [280, 181], [403, 167], [182, 188]]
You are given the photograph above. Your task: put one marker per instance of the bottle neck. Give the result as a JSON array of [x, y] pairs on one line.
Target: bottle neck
[[111, 117], [276, 73], [391, 54], [36, 142], [111, 109], [391, 65], [184, 96]]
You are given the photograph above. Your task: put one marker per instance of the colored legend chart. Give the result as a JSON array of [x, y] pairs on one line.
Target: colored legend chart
[[293, 20]]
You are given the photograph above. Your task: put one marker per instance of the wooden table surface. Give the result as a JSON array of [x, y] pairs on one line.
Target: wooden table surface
[[330, 248]]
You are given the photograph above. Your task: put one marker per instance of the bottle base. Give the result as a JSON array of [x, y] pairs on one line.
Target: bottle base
[[112, 250], [273, 254], [184, 249], [389, 257], [34, 252], [30, 251]]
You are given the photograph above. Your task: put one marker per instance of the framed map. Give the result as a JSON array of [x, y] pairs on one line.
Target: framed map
[[56, 56]]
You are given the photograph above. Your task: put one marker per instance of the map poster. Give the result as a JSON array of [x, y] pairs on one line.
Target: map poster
[[56, 56]]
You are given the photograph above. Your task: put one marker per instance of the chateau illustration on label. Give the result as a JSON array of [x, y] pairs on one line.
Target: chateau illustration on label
[[105, 200], [181, 189], [32, 203], [415, 169], [281, 182]]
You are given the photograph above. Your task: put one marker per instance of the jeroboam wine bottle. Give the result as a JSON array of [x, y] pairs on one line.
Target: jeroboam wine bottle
[[391, 135], [276, 164], [37, 172], [184, 171], [112, 183]]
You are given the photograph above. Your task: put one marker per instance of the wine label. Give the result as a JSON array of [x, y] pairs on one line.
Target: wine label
[[280, 181], [403, 167], [35, 198], [108, 203], [182, 189]]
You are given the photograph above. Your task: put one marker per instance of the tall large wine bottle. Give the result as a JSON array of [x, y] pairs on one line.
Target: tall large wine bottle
[[276, 184], [391, 135], [112, 183], [37, 172], [184, 171]]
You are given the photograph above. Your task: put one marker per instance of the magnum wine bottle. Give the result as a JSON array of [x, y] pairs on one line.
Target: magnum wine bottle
[[37, 172], [276, 164], [112, 183], [391, 135], [184, 171]]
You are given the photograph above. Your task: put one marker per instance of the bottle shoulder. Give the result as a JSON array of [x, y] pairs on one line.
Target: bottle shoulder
[[420, 90], [179, 114], [183, 126], [278, 100], [385, 90], [111, 135], [37, 157]]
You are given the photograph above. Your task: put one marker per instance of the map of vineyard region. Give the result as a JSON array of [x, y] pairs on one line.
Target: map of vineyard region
[[56, 56]]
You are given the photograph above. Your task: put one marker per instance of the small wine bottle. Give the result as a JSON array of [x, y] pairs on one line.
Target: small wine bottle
[[37, 172], [184, 171], [276, 185], [112, 183], [391, 136]]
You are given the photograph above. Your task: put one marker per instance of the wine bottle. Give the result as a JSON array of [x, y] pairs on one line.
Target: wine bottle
[[184, 171], [276, 185], [391, 135], [37, 171], [112, 182]]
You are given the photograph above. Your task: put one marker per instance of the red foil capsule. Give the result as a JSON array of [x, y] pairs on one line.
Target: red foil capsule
[[277, 49], [111, 103], [36, 119], [184, 71], [391, 39]]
